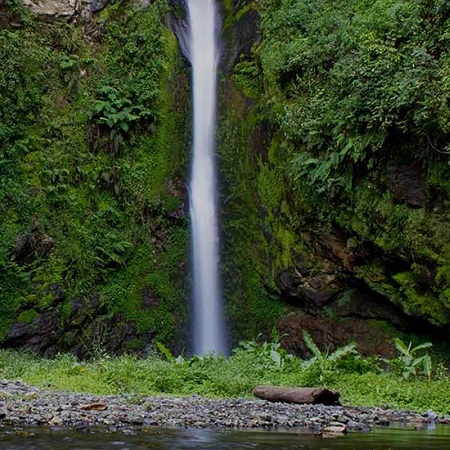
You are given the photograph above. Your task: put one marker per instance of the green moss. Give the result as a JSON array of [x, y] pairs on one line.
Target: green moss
[[233, 11], [134, 344], [420, 303], [152, 165], [27, 316], [250, 308], [93, 136]]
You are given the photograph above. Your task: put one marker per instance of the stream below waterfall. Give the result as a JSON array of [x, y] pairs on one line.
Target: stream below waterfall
[[171, 439]]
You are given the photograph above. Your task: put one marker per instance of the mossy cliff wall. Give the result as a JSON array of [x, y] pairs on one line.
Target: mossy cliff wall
[[334, 140], [94, 123]]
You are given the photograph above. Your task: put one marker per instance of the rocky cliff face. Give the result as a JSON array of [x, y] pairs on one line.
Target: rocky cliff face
[[71, 9], [53, 8], [67, 9]]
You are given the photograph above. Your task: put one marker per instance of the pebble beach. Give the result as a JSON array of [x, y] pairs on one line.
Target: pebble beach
[[25, 405]]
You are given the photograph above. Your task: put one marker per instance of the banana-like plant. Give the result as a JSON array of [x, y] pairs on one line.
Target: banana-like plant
[[410, 362], [326, 356]]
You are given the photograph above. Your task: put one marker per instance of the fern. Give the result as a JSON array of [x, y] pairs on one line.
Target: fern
[[165, 351], [312, 346]]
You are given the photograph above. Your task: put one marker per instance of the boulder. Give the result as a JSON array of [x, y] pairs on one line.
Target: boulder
[[297, 395], [334, 429], [30, 246], [406, 184], [52, 8], [37, 336], [65, 9]]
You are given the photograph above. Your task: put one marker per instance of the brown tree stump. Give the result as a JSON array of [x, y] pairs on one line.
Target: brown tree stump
[[297, 395]]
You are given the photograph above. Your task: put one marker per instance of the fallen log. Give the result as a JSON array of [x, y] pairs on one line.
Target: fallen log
[[297, 395]]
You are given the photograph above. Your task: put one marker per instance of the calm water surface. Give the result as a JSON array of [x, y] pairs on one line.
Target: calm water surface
[[163, 439]]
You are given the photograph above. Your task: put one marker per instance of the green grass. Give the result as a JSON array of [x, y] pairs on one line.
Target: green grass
[[236, 376], [389, 390]]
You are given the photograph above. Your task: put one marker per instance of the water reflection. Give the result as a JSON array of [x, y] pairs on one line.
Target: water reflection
[[173, 439]]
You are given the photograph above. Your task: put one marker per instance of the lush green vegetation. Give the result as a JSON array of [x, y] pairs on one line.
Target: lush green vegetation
[[356, 93], [315, 124], [92, 150], [361, 381]]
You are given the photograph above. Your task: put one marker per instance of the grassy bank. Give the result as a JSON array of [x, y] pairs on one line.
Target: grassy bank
[[361, 381]]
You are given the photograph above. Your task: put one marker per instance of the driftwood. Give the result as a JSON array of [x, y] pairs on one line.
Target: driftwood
[[297, 395]]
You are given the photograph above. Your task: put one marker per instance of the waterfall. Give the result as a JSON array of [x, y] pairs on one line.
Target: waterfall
[[208, 321]]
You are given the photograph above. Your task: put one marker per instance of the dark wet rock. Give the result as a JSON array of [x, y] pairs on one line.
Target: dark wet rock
[[309, 286], [30, 246], [86, 331], [241, 37], [37, 335], [95, 303], [57, 293], [79, 312], [178, 214], [123, 330], [342, 249], [18, 333], [149, 299], [330, 333], [368, 305], [406, 185], [316, 291]]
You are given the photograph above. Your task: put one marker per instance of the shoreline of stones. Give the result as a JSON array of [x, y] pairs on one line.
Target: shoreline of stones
[[25, 405]]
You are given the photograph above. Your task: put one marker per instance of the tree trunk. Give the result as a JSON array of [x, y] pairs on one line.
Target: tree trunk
[[297, 395]]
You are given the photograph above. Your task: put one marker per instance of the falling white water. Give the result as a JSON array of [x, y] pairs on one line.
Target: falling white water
[[208, 322]]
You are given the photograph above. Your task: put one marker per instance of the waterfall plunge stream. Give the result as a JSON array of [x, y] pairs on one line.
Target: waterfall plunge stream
[[208, 322]]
